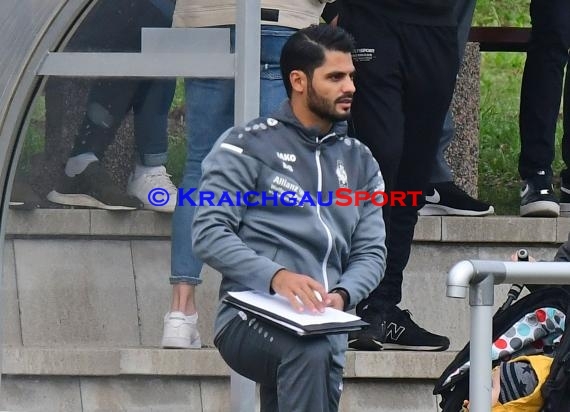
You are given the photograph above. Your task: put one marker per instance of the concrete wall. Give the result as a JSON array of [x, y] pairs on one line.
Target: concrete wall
[[84, 293], [80, 277]]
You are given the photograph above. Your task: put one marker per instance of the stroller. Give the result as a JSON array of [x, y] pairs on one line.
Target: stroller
[[533, 325]]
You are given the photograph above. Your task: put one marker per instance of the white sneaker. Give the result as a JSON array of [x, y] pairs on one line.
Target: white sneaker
[[181, 331], [154, 189]]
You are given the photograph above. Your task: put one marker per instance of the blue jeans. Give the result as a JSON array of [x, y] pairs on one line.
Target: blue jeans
[[209, 112], [441, 172]]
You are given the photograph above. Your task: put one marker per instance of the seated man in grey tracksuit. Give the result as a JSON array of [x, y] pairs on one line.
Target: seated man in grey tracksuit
[[294, 251]]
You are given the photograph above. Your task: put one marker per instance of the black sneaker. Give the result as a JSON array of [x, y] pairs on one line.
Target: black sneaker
[[93, 188], [537, 197], [395, 329], [446, 199], [564, 199], [370, 338]]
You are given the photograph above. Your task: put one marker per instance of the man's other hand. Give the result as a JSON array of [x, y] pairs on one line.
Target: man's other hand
[[302, 291], [337, 301]]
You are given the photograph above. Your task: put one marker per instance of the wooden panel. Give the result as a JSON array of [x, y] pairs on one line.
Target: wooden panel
[[513, 39]]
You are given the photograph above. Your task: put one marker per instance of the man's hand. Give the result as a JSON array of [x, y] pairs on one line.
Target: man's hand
[[302, 291], [515, 258], [337, 301]]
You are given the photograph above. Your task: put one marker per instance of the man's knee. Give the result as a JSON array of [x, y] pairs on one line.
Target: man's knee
[[315, 353]]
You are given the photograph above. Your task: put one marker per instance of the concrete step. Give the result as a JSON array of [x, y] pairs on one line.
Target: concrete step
[[75, 280], [145, 379], [90, 277]]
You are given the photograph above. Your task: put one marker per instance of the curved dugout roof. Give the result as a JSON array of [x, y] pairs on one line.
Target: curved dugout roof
[[30, 28]]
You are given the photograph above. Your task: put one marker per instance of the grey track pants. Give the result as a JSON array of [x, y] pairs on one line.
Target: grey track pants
[[296, 374]]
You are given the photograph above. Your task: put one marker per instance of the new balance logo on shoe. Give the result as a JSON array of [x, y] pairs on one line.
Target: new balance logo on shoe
[[393, 331], [394, 328]]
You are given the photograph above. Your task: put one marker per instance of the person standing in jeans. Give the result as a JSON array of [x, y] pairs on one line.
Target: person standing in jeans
[[210, 111], [541, 88]]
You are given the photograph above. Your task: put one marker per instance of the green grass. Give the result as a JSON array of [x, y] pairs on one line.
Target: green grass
[[34, 141]]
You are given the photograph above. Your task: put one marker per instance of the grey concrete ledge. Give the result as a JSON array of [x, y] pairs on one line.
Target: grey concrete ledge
[[83, 361], [143, 223], [83, 222]]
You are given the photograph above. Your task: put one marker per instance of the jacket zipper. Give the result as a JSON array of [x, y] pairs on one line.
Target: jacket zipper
[[327, 230]]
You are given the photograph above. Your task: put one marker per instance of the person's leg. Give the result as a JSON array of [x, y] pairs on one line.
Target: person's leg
[[151, 107], [377, 119], [85, 182], [430, 78], [295, 374], [442, 195], [107, 104], [441, 171], [541, 89], [204, 127]]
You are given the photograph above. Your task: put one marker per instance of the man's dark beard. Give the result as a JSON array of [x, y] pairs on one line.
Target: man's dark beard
[[322, 107]]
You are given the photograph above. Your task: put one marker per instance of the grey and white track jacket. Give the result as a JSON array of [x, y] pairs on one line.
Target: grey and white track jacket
[[339, 246]]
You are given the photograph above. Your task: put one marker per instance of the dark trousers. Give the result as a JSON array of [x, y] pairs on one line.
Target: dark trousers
[[541, 88], [110, 100], [404, 84], [296, 374]]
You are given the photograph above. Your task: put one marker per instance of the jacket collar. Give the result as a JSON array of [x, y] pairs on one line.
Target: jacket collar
[[285, 114]]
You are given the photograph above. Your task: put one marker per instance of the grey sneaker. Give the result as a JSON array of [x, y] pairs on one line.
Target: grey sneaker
[[537, 197], [564, 199], [93, 188]]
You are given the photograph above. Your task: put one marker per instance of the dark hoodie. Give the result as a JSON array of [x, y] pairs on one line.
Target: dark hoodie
[[424, 12]]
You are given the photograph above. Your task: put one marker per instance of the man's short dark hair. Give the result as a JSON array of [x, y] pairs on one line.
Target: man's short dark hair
[[305, 50]]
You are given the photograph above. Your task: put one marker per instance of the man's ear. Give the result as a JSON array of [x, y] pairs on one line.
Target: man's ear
[[298, 81]]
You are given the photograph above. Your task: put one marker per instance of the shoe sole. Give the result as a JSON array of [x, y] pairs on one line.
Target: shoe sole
[[395, 346], [541, 208], [162, 209], [366, 345], [82, 200], [440, 210], [179, 343]]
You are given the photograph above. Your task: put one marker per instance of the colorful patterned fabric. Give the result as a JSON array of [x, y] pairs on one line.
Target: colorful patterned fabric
[[535, 333]]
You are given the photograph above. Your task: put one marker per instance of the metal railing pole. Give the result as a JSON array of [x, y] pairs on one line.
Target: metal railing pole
[[481, 302], [248, 45]]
